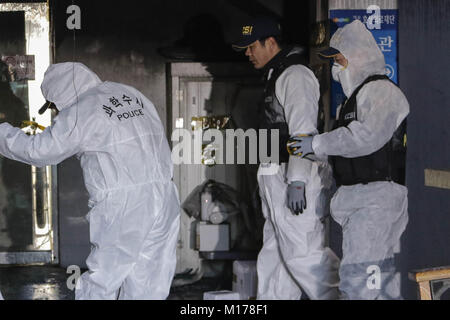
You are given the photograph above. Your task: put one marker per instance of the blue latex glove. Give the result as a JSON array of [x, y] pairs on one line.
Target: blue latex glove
[[300, 146], [297, 197]]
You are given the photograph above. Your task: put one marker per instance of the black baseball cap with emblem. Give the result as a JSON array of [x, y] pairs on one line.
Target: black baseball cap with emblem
[[256, 29], [328, 53]]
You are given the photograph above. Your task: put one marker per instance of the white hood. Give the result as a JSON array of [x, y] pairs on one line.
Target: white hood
[[64, 82], [364, 56]]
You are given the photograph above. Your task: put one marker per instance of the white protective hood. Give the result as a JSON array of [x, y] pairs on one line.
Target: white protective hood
[[364, 56], [64, 82]]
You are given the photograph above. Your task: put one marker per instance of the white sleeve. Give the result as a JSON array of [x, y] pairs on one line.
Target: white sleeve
[[381, 109], [297, 90], [56, 143]]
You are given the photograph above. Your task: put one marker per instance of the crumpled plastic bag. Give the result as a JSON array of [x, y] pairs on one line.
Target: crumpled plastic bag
[[221, 193]]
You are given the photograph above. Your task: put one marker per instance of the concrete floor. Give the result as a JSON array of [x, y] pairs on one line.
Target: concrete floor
[[49, 283], [34, 283]]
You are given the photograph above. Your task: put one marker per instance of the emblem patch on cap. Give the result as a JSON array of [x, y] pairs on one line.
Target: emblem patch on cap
[[247, 30]]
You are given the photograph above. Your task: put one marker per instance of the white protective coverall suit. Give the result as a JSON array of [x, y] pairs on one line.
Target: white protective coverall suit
[[116, 133], [373, 216], [294, 256]]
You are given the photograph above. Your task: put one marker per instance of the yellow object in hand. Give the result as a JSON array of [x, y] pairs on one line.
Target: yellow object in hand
[[291, 150], [27, 123]]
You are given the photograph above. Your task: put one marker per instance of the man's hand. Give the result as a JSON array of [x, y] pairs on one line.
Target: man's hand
[[300, 145], [297, 197]]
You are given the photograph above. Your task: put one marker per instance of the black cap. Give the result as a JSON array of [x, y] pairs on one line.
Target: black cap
[[328, 53], [45, 106], [256, 29]]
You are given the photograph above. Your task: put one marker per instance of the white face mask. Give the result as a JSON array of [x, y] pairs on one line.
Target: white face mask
[[335, 70], [342, 75], [346, 82]]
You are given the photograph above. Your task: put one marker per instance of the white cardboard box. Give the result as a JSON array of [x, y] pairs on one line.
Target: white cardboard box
[[213, 237], [221, 295], [245, 279]]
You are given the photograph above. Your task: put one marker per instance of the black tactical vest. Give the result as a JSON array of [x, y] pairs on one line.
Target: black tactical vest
[[386, 164], [271, 115]]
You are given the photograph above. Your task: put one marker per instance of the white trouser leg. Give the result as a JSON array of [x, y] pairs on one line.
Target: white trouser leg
[[152, 275], [300, 244], [373, 218]]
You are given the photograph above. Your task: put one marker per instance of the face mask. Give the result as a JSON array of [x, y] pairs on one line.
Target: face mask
[[346, 82], [336, 69], [342, 75]]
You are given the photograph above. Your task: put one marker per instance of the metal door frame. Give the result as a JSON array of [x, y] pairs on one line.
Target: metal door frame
[[38, 13]]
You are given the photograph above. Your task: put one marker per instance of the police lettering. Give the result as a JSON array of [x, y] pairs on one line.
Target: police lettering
[[126, 99], [115, 102], [130, 114], [108, 110]]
